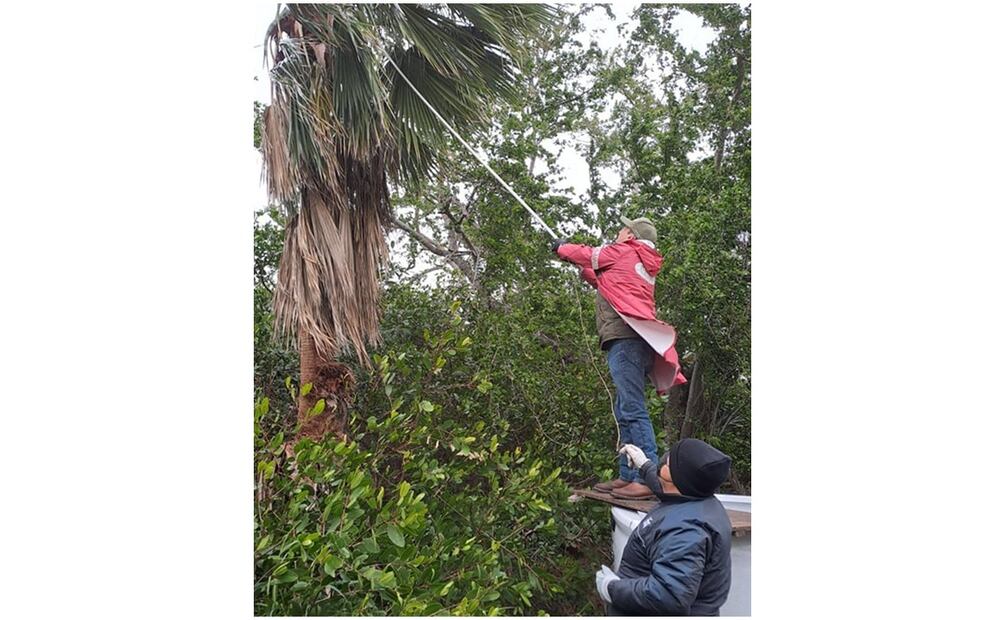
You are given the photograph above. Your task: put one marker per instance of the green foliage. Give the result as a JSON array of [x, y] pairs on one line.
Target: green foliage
[[273, 361], [259, 114], [439, 506], [685, 151], [679, 138]]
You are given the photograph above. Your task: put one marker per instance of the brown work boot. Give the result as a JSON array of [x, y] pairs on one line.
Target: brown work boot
[[610, 485], [633, 490]]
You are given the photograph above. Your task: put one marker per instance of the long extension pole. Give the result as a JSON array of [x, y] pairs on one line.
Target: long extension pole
[[471, 150]]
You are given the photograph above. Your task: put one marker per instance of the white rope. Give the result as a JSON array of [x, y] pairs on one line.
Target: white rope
[[471, 150]]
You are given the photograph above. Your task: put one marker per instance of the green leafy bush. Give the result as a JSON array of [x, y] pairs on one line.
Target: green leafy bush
[[433, 509]]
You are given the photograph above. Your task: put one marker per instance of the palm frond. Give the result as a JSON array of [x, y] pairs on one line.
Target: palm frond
[[282, 178], [342, 123], [509, 25]]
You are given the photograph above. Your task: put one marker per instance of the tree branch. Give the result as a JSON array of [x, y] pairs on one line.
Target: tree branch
[[440, 250], [415, 277], [741, 69], [445, 209]]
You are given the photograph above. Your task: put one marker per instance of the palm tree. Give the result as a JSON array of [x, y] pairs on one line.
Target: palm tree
[[342, 125]]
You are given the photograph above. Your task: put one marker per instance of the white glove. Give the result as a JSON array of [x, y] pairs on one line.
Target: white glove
[[636, 457], [604, 578]]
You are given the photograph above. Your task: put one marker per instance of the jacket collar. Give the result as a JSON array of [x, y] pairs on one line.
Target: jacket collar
[[673, 498]]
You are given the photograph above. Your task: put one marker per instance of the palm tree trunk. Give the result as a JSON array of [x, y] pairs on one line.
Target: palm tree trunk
[[308, 374], [331, 381]]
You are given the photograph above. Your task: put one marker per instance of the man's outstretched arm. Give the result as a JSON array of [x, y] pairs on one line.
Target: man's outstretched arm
[[587, 257]]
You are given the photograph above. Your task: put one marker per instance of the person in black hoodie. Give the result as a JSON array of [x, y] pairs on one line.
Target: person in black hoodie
[[676, 562]]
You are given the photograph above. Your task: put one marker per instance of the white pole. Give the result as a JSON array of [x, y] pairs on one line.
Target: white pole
[[471, 150]]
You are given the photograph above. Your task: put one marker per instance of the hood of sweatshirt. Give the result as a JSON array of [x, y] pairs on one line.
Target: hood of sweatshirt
[[651, 259]]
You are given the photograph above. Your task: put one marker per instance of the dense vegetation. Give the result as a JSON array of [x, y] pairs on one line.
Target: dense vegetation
[[488, 401]]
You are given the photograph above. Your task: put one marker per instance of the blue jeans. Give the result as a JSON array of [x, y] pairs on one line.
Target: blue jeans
[[630, 360]]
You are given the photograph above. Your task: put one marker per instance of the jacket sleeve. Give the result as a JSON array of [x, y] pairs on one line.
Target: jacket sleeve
[[597, 258], [589, 275], [678, 565], [650, 474]]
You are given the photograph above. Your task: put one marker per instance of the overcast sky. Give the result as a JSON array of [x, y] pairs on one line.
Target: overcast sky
[[598, 27]]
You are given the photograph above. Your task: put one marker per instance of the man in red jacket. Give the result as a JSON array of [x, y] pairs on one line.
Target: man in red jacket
[[636, 342]]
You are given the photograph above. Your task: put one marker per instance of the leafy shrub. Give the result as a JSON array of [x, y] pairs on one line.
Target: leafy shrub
[[435, 508]]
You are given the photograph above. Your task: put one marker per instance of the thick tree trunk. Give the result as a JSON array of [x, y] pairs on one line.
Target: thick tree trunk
[[673, 412], [330, 381], [308, 374], [695, 401], [738, 487]]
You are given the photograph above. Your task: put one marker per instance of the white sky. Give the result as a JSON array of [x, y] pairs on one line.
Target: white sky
[[598, 27]]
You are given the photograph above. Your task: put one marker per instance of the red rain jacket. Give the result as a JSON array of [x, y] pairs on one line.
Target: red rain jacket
[[625, 275]]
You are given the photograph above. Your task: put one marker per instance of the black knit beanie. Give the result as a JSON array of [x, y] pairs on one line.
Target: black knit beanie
[[697, 468]]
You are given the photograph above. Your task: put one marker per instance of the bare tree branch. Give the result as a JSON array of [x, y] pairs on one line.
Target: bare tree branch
[[456, 221], [454, 257], [415, 277]]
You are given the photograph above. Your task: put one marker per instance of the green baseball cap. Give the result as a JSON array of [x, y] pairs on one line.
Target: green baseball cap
[[642, 227]]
